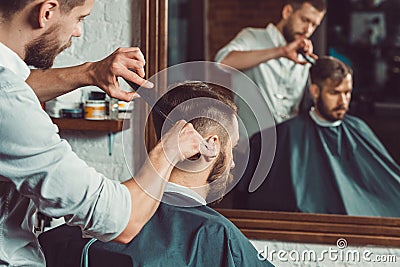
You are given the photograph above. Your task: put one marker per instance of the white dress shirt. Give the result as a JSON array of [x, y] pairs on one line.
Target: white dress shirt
[[38, 170], [281, 81]]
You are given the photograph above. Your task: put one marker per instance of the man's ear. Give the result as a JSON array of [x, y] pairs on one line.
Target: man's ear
[[314, 91], [214, 141], [287, 11], [47, 11]]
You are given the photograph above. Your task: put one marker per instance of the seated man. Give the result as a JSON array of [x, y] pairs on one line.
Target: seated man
[[326, 161], [183, 231]]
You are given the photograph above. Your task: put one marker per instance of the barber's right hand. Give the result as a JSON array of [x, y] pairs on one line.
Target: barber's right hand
[[291, 50], [105, 72], [181, 142]]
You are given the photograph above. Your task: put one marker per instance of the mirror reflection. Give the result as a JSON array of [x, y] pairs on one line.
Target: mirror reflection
[[337, 157]]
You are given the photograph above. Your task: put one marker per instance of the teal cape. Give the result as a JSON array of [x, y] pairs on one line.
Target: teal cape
[[174, 236], [341, 170]]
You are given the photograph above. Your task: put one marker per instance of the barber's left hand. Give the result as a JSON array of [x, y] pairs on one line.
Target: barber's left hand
[[105, 73]]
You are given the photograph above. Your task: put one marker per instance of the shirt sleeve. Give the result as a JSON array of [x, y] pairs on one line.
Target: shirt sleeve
[[241, 42], [44, 168]]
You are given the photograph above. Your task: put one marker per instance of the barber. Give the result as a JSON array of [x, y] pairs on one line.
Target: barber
[[271, 57]]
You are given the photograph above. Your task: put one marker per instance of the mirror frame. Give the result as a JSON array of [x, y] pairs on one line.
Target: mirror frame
[[315, 228], [264, 225], [153, 44]]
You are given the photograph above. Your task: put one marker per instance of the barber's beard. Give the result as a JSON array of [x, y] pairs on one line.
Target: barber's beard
[[42, 51], [328, 114], [288, 32]]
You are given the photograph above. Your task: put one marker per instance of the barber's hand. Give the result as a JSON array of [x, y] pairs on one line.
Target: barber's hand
[[182, 141], [105, 72], [291, 50]]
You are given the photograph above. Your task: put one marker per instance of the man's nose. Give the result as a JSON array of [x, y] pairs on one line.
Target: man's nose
[[343, 100], [309, 29], [77, 31]]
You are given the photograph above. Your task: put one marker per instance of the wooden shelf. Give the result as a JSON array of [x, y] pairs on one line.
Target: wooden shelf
[[110, 126]]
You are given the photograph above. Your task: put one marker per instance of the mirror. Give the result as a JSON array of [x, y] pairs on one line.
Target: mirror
[[192, 37]]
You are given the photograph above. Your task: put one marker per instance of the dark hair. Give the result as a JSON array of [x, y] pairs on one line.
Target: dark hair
[[215, 105], [209, 107], [319, 5], [327, 67], [9, 7]]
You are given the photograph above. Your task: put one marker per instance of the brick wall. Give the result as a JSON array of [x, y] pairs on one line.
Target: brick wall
[[227, 18]]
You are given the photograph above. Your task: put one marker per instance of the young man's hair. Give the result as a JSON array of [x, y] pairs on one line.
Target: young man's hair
[[209, 107], [327, 67], [319, 5], [10, 7]]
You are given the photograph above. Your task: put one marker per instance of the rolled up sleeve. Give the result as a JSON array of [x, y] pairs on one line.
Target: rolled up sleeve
[[241, 42]]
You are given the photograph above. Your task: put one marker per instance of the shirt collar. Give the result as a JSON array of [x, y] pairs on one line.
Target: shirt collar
[[321, 122], [183, 190], [10, 60], [276, 36]]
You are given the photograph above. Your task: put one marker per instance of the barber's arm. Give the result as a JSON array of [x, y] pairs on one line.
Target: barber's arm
[[103, 74], [247, 59], [181, 142]]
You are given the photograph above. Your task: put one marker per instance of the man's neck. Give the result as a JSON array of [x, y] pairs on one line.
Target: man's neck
[[280, 26], [321, 121], [195, 181]]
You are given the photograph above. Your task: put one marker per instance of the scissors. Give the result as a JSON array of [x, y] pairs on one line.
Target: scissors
[[308, 58]]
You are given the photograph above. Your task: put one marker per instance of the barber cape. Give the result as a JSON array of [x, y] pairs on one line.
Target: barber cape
[[175, 236], [339, 168]]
